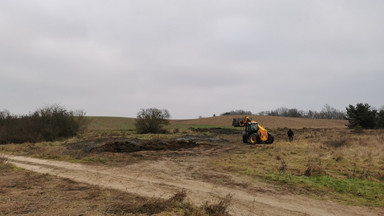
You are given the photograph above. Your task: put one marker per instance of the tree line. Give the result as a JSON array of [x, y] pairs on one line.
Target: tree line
[[237, 112], [359, 116], [327, 112], [45, 124]]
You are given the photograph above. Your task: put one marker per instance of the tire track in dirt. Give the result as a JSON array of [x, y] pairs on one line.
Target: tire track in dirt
[[161, 179]]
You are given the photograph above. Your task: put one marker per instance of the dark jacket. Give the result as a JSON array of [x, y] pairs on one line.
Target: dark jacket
[[290, 133]]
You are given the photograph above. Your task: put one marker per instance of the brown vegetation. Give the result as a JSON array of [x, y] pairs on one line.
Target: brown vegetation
[[46, 124]]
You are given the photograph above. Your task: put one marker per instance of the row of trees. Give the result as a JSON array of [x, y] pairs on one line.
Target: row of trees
[[359, 116], [327, 112], [45, 124], [237, 112]]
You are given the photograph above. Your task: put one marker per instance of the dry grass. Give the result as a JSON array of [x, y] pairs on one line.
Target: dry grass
[[319, 161]]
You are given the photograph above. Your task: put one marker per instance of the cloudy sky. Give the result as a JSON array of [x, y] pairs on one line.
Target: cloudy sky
[[192, 57]]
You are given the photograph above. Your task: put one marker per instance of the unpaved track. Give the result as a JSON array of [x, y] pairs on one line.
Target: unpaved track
[[164, 178]]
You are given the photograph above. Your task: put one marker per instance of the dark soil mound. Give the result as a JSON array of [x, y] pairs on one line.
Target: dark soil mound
[[131, 145], [150, 145], [87, 146], [200, 139]]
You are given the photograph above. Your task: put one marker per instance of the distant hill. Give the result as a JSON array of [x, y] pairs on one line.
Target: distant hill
[[268, 122], [122, 123], [110, 123]]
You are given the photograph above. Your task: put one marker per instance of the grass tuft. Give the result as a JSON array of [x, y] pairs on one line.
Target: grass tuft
[[219, 209]]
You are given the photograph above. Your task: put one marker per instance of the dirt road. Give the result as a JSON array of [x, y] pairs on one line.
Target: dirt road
[[164, 178]]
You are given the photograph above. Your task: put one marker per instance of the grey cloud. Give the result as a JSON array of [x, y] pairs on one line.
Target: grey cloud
[[192, 57]]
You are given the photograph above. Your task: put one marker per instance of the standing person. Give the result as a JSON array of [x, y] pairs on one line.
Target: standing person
[[290, 135]]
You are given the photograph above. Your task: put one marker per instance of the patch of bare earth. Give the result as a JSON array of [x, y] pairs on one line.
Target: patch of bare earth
[[29, 193]]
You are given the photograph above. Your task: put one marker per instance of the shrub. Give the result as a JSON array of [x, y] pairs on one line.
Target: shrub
[[151, 120], [46, 124]]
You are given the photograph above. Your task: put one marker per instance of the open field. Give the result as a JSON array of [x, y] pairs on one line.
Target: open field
[[327, 170], [120, 123], [271, 122]]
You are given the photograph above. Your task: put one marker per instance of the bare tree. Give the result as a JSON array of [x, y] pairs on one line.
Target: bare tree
[[152, 120]]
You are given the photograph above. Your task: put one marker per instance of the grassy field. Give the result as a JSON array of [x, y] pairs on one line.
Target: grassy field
[[334, 164], [272, 122], [326, 160], [110, 123]]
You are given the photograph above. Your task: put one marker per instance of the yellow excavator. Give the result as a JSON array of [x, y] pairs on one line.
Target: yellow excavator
[[254, 133]]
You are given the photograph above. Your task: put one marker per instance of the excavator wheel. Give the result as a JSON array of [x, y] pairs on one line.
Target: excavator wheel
[[253, 138], [270, 139]]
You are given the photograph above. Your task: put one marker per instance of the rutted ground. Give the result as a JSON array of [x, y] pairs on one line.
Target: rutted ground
[[164, 177]]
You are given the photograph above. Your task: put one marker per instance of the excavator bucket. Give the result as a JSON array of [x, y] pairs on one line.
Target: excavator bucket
[[236, 122]]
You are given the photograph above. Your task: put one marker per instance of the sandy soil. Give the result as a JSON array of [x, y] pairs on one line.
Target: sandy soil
[[163, 178]]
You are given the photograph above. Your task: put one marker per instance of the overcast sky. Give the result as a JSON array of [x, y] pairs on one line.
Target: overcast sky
[[191, 57]]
